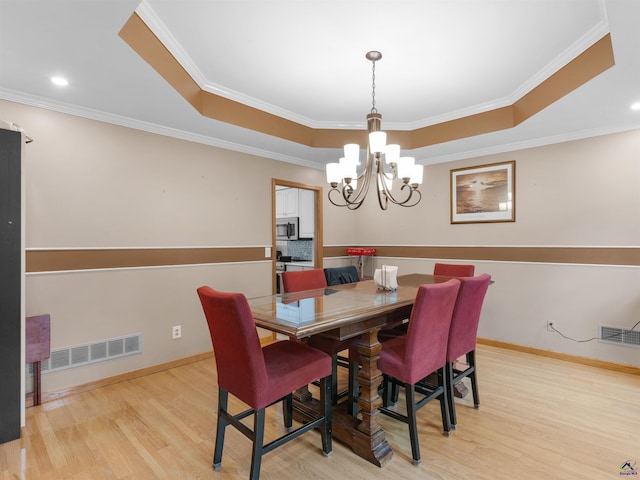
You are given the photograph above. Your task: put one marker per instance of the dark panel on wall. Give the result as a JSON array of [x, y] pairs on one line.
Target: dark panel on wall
[[10, 322]]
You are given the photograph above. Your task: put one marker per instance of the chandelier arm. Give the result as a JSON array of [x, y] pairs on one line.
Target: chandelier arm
[[417, 192], [334, 190], [405, 202], [390, 197], [347, 192], [352, 198], [382, 190], [389, 175], [383, 199], [364, 180]]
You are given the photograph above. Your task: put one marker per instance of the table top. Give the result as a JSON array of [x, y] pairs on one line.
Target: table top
[[340, 311]]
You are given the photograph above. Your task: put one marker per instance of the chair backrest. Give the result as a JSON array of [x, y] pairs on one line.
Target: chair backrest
[[303, 280], [466, 316], [341, 275], [236, 346], [428, 329], [453, 270]]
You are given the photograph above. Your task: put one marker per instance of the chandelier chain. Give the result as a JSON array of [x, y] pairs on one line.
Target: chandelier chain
[[373, 88]]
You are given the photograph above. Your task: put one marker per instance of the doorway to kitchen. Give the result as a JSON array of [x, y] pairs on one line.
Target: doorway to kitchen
[[297, 228]]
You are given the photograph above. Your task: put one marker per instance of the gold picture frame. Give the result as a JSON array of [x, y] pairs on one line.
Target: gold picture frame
[[484, 193]]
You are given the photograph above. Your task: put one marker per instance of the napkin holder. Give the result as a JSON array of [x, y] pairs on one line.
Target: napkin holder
[[386, 278]]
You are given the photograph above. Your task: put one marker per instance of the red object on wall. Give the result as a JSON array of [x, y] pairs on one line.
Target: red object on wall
[[361, 252]]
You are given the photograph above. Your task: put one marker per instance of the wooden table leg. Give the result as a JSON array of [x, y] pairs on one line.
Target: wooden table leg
[[365, 437], [302, 394], [369, 379], [37, 379]]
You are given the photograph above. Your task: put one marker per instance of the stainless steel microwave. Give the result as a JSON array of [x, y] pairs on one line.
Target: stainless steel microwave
[[287, 228]]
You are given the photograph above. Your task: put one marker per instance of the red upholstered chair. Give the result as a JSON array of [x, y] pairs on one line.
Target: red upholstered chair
[[462, 337], [303, 280], [409, 358], [259, 376], [308, 280], [453, 270], [440, 269]]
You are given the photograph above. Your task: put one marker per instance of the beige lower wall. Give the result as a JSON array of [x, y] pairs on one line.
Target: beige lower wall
[[94, 185], [576, 298], [97, 305]]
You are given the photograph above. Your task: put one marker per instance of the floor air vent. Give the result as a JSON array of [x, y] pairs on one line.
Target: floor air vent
[[619, 336], [79, 355]]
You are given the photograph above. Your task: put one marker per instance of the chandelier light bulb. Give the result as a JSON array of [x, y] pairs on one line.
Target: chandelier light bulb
[[348, 168], [392, 153], [405, 167], [333, 173], [417, 175], [377, 142], [352, 152]]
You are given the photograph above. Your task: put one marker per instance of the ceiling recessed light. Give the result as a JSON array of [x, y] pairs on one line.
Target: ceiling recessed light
[[61, 82], [635, 106]]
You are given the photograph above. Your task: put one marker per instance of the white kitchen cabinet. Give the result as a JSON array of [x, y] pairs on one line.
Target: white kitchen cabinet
[[287, 202], [306, 212]]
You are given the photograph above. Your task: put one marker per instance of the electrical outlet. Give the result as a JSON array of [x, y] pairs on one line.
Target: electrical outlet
[[176, 332], [550, 326]]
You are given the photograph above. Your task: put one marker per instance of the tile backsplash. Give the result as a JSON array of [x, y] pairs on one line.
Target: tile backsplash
[[300, 249]]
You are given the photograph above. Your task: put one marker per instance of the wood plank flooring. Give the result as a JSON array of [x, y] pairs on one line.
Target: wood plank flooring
[[540, 418]]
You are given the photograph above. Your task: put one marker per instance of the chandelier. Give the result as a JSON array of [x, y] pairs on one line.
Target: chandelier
[[354, 187]]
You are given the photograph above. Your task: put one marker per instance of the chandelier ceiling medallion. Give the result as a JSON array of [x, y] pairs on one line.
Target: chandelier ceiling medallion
[[355, 186]]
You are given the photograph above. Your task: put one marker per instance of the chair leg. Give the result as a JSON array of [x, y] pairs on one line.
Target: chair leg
[[326, 394], [448, 383], [410, 393], [384, 391], [390, 391], [287, 411], [444, 400], [471, 360], [352, 399], [334, 379], [223, 400], [258, 443], [395, 392]]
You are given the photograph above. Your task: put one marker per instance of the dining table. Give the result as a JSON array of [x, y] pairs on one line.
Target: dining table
[[354, 310]]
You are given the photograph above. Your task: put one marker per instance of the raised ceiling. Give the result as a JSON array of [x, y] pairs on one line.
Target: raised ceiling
[[278, 64]]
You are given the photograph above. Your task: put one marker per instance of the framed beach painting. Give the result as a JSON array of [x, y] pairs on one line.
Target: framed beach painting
[[485, 193]]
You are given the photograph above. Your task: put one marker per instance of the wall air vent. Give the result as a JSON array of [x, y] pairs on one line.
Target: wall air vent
[[99, 351], [619, 336]]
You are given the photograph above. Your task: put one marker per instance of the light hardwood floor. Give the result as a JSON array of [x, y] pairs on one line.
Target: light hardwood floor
[[540, 418]]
